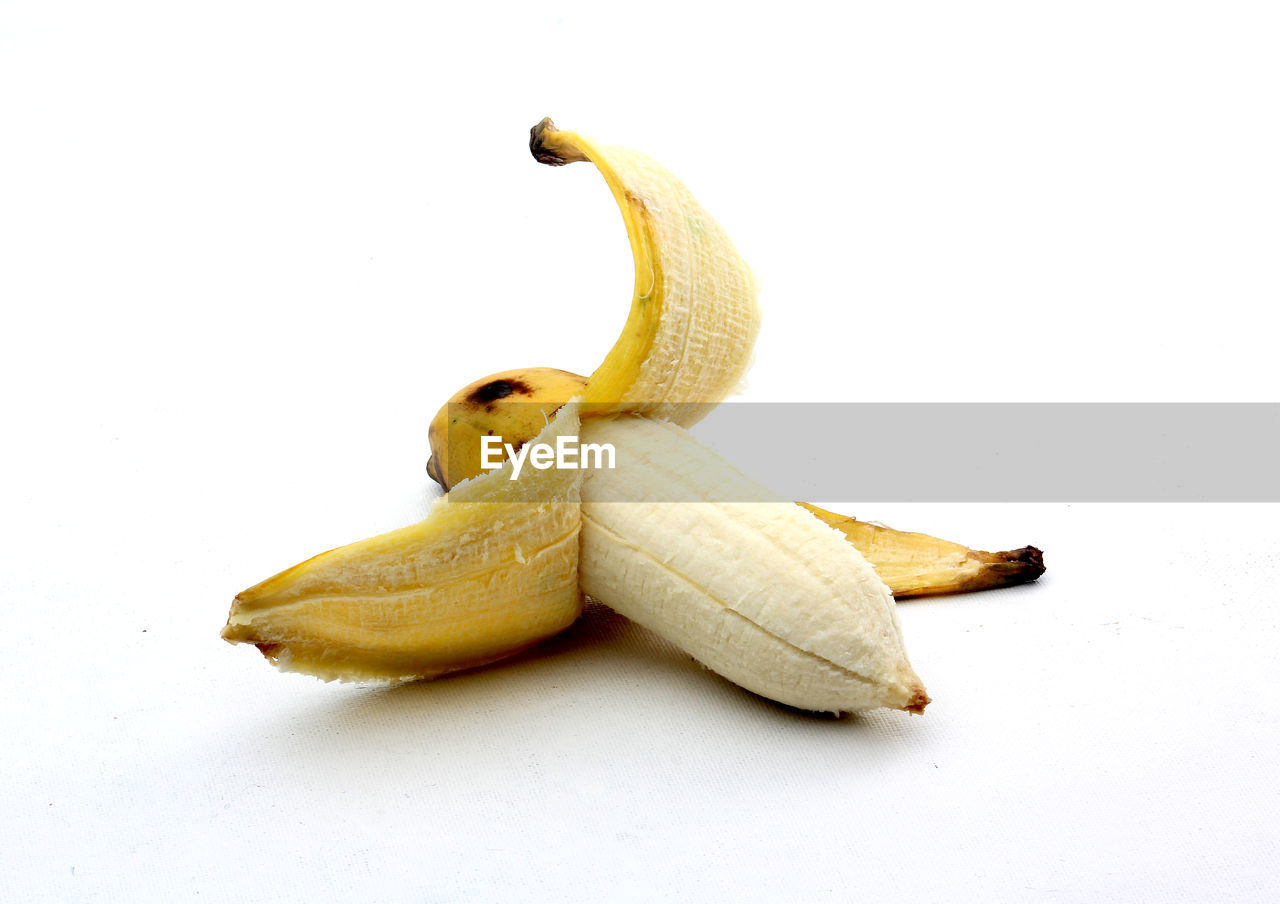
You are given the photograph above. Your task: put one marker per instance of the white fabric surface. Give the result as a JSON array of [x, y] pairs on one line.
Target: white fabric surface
[[246, 251]]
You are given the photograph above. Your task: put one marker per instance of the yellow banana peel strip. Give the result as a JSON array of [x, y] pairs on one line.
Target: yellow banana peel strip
[[472, 583], [475, 582], [694, 319], [917, 565]]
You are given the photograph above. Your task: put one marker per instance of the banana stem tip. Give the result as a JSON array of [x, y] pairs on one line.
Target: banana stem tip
[[1026, 564], [547, 147]]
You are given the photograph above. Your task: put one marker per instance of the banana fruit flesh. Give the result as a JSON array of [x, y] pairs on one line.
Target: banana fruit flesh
[[765, 594], [514, 405], [760, 591]]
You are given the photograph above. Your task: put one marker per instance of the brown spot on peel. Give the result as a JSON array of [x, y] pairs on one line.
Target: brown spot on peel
[[491, 392], [496, 389]]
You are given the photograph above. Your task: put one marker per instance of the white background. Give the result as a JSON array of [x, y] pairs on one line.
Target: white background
[[246, 250]]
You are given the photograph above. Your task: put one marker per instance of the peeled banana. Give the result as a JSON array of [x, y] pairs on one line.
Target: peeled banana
[[761, 591]]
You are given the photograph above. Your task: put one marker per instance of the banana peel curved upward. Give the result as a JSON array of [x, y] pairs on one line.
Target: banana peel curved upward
[[693, 321], [762, 592]]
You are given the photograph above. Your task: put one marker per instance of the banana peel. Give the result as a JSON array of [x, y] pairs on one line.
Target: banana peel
[[694, 319], [916, 565], [492, 570]]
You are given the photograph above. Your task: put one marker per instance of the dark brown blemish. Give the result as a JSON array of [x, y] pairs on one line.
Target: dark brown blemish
[[498, 389]]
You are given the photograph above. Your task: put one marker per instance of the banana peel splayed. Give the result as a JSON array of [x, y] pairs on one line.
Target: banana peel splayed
[[916, 565], [765, 592], [472, 583]]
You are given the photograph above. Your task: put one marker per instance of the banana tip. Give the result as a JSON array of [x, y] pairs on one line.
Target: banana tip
[[433, 471], [919, 700], [545, 147], [1031, 557], [235, 630]]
